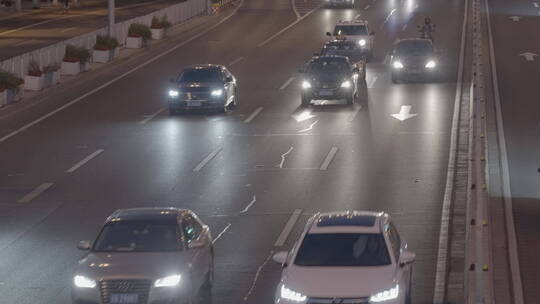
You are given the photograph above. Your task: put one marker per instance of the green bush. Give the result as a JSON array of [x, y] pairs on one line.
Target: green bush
[[105, 42], [159, 23], [9, 80], [139, 30], [76, 54]]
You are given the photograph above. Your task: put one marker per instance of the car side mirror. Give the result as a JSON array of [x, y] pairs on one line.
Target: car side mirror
[[281, 258], [328, 34], [407, 257], [84, 245], [196, 244]]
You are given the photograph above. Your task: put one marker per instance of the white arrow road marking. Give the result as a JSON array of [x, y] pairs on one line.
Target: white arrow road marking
[[309, 128], [404, 113], [515, 18], [304, 115], [283, 157], [249, 205], [528, 56]]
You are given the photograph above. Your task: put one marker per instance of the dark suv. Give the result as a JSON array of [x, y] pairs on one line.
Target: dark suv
[[329, 78], [205, 86]]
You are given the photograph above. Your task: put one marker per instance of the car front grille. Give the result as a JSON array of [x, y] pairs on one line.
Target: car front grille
[[363, 300], [140, 287], [196, 95]]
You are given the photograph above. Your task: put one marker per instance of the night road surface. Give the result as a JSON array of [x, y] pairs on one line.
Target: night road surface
[[62, 177]]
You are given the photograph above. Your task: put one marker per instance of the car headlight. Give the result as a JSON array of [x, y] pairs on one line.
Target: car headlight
[[168, 281], [385, 295], [346, 84], [431, 64], [217, 93], [83, 282], [397, 64], [306, 84], [291, 295], [173, 93], [362, 42]]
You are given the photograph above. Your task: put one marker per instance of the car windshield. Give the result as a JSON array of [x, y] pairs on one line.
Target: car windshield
[[138, 236], [347, 50], [414, 46], [343, 249], [353, 30], [200, 75], [329, 68]]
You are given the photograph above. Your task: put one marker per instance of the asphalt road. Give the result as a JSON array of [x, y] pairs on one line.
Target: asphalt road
[[274, 158], [518, 84], [29, 32]]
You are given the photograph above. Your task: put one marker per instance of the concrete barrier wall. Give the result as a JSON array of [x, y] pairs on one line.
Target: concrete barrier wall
[[53, 54]]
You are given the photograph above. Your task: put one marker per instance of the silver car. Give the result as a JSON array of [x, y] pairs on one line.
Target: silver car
[[145, 256]]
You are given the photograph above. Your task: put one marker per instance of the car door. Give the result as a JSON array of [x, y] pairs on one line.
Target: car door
[[193, 235]]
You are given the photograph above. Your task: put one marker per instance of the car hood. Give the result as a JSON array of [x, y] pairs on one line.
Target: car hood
[[329, 282], [200, 85], [137, 265], [415, 58]]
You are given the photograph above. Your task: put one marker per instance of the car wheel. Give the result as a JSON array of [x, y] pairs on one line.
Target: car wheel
[[305, 101]]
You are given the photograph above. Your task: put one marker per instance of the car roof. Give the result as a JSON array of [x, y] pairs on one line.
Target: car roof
[[147, 213], [339, 42], [349, 222]]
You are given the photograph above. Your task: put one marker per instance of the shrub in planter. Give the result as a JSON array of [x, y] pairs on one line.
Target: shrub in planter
[[3, 96], [104, 48], [33, 81], [158, 27], [51, 75], [137, 34], [11, 85], [75, 60]]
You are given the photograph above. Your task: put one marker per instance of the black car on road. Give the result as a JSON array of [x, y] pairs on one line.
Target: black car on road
[[350, 49], [414, 59], [205, 86], [329, 78]]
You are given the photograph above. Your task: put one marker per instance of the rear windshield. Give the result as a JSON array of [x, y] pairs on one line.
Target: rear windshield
[[347, 50], [343, 249], [139, 236], [352, 30], [415, 46], [200, 75]]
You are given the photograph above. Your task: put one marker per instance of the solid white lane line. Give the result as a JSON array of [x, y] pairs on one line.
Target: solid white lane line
[[309, 128], [288, 228], [32, 25], [404, 27], [442, 254], [367, 7], [30, 196], [150, 117], [283, 157], [353, 115], [206, 160], [257, 274], [237, 60], [221, 233], [253, 115], [328, 159], [371, 82], [84, 161], [253, 200], [101, 87], [286, 84], [23, 42]]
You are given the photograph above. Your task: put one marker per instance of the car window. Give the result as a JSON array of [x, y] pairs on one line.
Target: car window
[[201, 75], [343, 249], [414, 46], [352, 30], [395, 240], [192, 228], [138, 236], [347, 50]]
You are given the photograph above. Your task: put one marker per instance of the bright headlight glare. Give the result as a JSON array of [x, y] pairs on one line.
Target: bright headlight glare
[[173, 93], [83, 282], [346, 84], [385, 295], [362, 42], [217, 93], [398, 65], [306, 84], [292, 295], [169, 281], [431, 64]]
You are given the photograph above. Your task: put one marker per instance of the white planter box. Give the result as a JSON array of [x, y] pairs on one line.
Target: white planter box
[[116, 52], [3, 98], [134, 42], [33, 83], [56, 77], [157, 34], [100, 56], [70, 68]]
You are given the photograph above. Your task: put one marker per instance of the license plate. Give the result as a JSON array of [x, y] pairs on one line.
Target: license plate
[[326, 92], [124, 298], [194, 103]]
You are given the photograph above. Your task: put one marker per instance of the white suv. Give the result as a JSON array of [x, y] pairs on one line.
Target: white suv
[[355, 30], [347, 257]]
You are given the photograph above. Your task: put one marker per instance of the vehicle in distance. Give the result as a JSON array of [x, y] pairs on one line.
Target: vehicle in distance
[[349, 49], [329, 78], [358, 31], [346, 257], [416, 59], [343, 3], [204, 86], [145, 255]]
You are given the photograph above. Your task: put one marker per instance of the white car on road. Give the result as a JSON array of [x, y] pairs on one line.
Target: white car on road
[[356, 30], [346, 258]]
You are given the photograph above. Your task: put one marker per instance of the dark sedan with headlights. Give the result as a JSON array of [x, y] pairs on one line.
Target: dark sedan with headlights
[[414, 59], [329, 78], [205, 86]]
